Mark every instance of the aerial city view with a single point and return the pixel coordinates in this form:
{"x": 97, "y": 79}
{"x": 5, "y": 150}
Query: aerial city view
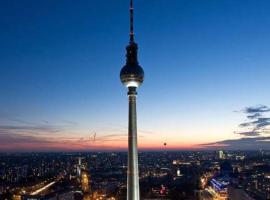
{"x": 135, "y": 99}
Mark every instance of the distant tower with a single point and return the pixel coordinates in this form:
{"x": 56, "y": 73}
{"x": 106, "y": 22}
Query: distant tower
{"x": 221, "y": 155}
{"x": 79, "y": 167}
{"x": 132, "y": 76}
{"x": 80, "y": 161}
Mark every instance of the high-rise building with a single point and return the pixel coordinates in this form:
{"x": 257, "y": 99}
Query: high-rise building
{"x": 178, "y": 172}
{"x": 132, "y": 76}
{"x": 221, "y": 155}
{"x": 79, "y": 167}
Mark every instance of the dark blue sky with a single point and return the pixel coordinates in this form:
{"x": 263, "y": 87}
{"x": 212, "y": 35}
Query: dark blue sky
{"x": 60, "y": 63}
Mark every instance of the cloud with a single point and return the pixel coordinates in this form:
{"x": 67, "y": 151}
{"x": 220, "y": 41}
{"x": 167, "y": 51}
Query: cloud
{"x": 246, "y": 124}
{"x": 19, "y": 134}
{"x": 253, "y": 131}
{"x": 261, "y": 122}
{"x": 257, "y": 109}
{"x": 109, "y": 138}
{"x": 254, "y": 116}
{"x": 256, "y": 123}
{"x": 14, "y": 138}
{"x": 70, "y": 122}
{"x": 246, "y": 143}
{"x": 249, "y": 133}
{"x": 44, "y": 136}
{"x": 36, "y": 128}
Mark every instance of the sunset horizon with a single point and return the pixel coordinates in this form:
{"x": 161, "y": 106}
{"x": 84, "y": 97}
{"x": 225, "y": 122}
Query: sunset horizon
{"x": 203, "y": 89}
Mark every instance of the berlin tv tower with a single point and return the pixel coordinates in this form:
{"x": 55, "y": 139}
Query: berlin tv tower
{"x": 132, "y": 76}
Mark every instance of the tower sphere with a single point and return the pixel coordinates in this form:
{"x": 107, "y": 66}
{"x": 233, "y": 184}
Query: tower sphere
{"x": 132, "y": 74}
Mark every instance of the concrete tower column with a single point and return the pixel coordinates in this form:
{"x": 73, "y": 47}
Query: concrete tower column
{"x": 133, "y": 190}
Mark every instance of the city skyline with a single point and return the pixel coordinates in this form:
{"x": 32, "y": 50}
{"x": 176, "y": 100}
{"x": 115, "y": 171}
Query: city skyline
{"x": 206, "y": 67}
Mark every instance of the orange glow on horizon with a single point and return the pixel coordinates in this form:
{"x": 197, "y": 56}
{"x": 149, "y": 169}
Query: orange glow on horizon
{"x": 117, "y": 146}
{"x": 113, "y": 142}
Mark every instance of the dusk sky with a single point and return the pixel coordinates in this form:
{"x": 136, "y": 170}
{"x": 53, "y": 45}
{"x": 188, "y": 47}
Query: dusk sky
{"x": 206, "y": 63}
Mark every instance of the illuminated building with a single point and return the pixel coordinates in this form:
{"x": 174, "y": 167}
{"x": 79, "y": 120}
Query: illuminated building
{"x": 221, "y": 155}
{"x": 79, "y": 167}
{"x": 178, "y": 172}
{"x": 16, "y": 197}
{"x": 132, "y": 76}
{"x": 220, "y": 187}
{"x": 85, "y": 182}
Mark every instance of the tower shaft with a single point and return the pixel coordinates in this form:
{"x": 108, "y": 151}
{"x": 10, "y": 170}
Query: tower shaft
{"x": 133, "y": 190}
{"x": 132, "y": 76}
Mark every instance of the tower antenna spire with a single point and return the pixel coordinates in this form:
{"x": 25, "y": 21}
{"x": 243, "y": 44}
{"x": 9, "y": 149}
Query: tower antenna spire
{"x": 131, "y": 33}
